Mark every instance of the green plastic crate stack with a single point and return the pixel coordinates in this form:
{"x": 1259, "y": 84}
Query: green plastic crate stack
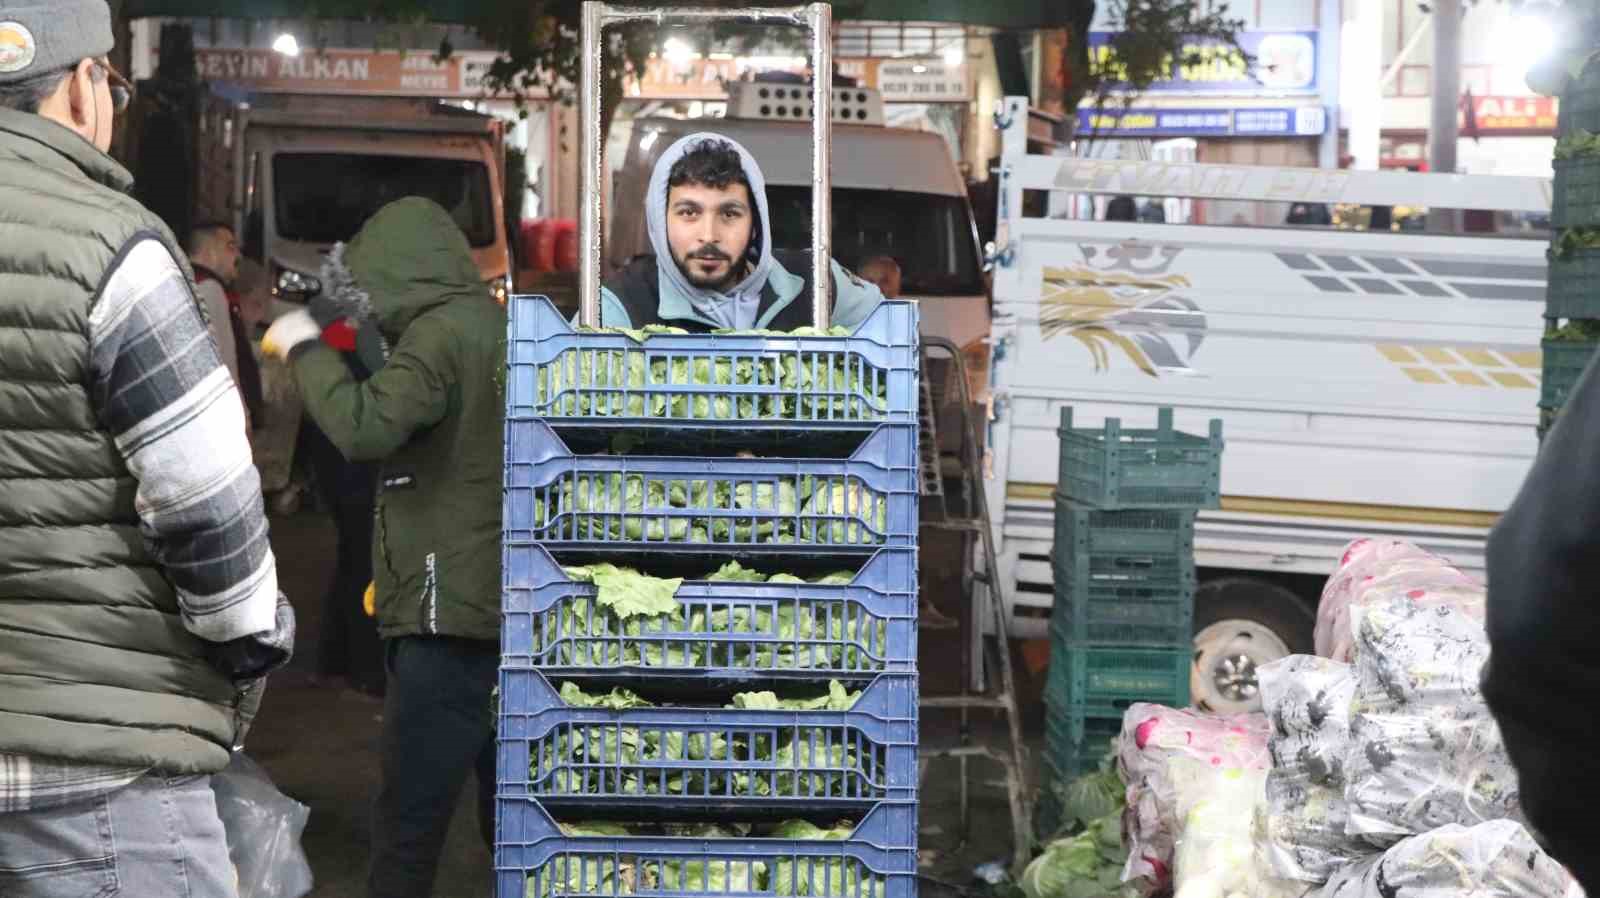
{"x": 1121, "y": 630}
{"x": 1572, "y": 298}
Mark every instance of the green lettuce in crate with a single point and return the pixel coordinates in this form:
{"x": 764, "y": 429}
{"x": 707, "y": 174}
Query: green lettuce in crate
{"x": 1580, "y": 144}
{"x": 584, "y": 874}
{"x": 833, "y": 877}
{"x": 1573, "y": 240}
{"x": 590, "y": 382}
{"x": 613, "y": 759}
{"x": 837, "y": 497}
{"x": 1576, "y": 331}
{"x": 632, "y": 614}
{"x": 615, "y": 506}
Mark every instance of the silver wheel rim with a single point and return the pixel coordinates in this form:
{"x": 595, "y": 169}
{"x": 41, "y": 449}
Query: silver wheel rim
{"x": 1227, "y": 655}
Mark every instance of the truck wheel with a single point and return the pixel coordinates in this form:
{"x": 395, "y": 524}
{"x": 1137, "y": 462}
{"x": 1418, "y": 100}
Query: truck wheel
{"x": 1240, "y": 625}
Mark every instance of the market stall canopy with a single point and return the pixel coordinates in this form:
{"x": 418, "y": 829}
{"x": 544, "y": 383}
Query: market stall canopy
{"x": 991, "y": 13}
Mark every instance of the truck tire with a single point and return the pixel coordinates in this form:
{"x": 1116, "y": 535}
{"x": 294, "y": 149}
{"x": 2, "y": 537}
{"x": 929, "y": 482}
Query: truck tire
{"x": 1240, "y": 624}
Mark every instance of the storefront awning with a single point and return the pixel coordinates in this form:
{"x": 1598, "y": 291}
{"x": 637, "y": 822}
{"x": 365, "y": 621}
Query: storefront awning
{"x": 991, "y": 13}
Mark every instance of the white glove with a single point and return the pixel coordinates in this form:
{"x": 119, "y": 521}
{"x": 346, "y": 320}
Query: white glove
{"x": 288, "y": 332}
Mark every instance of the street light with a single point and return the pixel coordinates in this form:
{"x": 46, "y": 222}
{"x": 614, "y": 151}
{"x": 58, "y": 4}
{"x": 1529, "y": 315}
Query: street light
{"x": 1530, "y": 37}
{"x": 287, "y": 45}
{"x": 954, "y": 55}
{"x": 677, "y": 52}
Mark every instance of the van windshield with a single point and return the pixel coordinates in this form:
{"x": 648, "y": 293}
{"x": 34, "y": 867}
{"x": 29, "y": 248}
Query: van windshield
{"x": 325, "y": 197}
{"x": 931, "y": 236}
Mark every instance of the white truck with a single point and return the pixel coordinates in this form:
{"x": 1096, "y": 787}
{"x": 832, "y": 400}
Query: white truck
{"x": 296, "y": 173}
{"x": 1369, "y": 384}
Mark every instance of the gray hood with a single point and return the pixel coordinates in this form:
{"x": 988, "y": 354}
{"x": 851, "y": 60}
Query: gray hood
{"x": 737, "y": 307}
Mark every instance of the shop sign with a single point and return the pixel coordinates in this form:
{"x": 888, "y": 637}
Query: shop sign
{"x": 1515, "y": 113}
{"x": 1285, "y": 62}
{"x": 411, "y": 73}
{"x": 1299, "y": 121}
{"x": 899, "y": 80}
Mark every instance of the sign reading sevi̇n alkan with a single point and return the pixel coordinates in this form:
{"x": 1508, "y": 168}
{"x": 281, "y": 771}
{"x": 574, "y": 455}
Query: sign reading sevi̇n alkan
{"x": 413, "y": 73}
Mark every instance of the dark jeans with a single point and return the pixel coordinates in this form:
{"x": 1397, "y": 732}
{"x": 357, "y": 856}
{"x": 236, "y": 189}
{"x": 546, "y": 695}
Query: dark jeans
{"x": 437, "y": 727}
{"x": 348, "y": 644}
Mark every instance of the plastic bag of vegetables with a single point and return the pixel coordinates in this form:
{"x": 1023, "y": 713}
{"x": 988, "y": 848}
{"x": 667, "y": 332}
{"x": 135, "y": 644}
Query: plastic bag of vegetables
{"x": 1153, "y": 736}
{"x": 1308, "y": 701}
{"x": 1498, "y": 859}
{"x": 1374, "y": 570}
{"x": 1215, "y": 853}
{"x": 1425, "y": 751}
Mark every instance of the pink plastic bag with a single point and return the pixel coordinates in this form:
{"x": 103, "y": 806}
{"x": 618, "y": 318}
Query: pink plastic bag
{"x": 1152, "y": 737}
{"x": 1374, "y": 570}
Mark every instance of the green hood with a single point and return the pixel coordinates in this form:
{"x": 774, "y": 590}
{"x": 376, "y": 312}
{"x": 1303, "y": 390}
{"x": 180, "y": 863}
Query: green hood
{"x": 408, "y": 258}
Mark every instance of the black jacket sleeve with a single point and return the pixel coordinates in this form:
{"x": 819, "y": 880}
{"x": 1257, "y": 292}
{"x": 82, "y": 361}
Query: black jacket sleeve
{"x": 1543, "y": 678}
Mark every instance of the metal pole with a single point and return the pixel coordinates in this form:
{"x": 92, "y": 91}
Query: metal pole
{"x": 818, "y": 17}
{"x": 1443, "y": 128}
{"x": 820, "y": 20}
{"x": 591, "y": 150}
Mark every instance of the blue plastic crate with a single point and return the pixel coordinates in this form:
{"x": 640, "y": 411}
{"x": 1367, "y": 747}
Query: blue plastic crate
{"x": 611, "y": 382}
{"x": 535, "y": 858}
{"x": 1114, "y": 468}
{"x": 683, "y": 763}
{"x": 724, "y": 633}
{"x": 622, "y": 505}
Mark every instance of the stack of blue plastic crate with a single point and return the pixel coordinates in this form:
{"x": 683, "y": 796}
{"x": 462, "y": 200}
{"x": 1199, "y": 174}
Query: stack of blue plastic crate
{"x": 1121, "y": 629}
{"x": 627, "y": 452}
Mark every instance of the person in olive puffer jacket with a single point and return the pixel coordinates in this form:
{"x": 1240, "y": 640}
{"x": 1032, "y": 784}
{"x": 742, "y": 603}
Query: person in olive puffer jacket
{"x": 139, "y": 608}
{"x": 432, "y": 415}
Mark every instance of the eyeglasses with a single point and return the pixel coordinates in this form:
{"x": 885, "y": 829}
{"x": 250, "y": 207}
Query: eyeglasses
{"x": 121, "y": 88}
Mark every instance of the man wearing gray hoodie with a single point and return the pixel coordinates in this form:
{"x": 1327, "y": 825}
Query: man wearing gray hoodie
{"x": 714, "y": 265}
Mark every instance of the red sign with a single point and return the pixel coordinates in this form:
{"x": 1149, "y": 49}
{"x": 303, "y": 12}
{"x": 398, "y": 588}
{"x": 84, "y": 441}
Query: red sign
{"x": 411, "y": 73}
{"x": 1515, "y": 114}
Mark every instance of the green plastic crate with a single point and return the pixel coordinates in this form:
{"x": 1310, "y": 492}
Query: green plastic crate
{"x": 1572, "y": 289}
{"x": 1575, "y": 201}
{"x": 1564, "y": 361}
{"x": 1123, "y": 578}
{"x": 1076, "y": 740}
{"x": 1580, "y": 104}
{"x": 1106, "y": 681}
{"x": 1113, "y": 468}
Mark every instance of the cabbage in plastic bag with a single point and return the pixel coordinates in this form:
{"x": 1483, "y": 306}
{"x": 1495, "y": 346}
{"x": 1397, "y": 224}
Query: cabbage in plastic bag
{"x": 1308, "y": 700}
{"x": 1425, "y": 750}
{"x": 1498, "y": 859}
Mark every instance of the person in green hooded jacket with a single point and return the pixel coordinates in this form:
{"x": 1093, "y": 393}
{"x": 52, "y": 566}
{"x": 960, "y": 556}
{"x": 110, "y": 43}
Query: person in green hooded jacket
{"x": 432, "y": 414}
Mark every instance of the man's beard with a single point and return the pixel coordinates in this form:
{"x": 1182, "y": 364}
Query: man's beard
{"x": 735, "y": 273}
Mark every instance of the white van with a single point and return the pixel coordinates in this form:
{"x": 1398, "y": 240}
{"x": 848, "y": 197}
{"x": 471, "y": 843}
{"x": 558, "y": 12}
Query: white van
{"x": 1370, "y": 384}
{"x": 896, "y": 192}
